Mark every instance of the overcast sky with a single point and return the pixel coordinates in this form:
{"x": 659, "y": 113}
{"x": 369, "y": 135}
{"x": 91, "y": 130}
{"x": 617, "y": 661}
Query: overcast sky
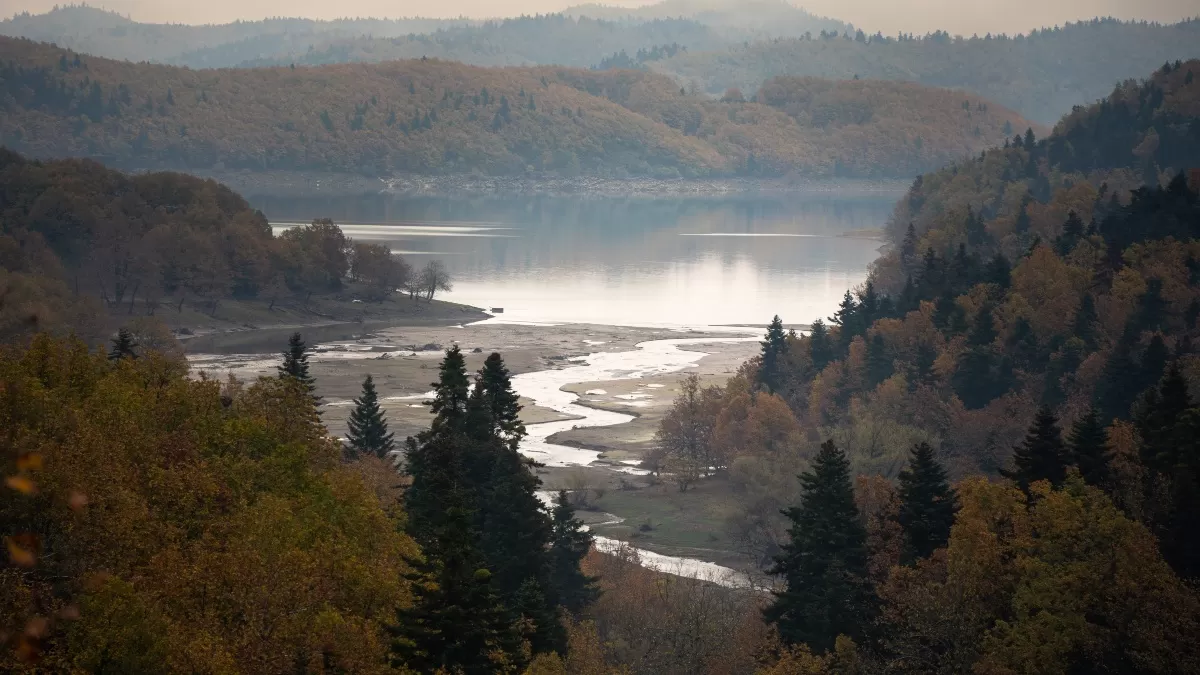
{"x": 890, "y": 16}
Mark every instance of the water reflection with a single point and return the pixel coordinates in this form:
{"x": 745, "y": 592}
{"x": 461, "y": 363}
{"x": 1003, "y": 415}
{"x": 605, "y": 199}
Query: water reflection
{"x": 624, "y": 260}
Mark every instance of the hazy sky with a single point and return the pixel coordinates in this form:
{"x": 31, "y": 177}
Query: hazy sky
{"x": 889, "y": 16}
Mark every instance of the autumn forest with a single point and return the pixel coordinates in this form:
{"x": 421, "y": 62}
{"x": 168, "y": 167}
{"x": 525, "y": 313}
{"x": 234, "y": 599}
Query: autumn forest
{"x": 982, "y": 459}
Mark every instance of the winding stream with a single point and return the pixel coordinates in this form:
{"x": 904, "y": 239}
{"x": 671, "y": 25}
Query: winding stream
{"x": 545, "y": 387}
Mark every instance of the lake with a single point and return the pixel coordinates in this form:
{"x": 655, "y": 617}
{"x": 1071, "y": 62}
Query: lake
{"x": 625, "y": 261}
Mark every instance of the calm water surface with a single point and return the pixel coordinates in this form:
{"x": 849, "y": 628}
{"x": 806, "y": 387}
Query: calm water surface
{"x": 624, "y": 261}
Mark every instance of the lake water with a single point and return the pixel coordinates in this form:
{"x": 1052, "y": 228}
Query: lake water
{"x": 625, "y": 261}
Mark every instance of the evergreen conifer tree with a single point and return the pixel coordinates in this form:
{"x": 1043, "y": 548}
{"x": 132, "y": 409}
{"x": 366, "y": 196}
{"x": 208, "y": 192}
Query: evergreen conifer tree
{"x": 847, "y": 319}
{"x": 1154, "y": 362}
{"x": 1042, "y": 455}
{"x": 1158, "y": 415}
{"x": 879, "y": 361}
{"x": 495, "y": 393}
{"x": 827, "y": 591}
{"x": 999, "y": 271}
{"x": 774, "y": 349}
{"x": 295, "y": 365}
{"x": 456, "y": 622}
{"x": 821, "y": 347}
{"x": 927, "y": 505}
{"x": 908, "y": 249}
{"x": 1087, "y": 447}
{"x": 976, "y": 229}
{"x": 451, "y": 392}
{"x": 123, "y": 346}
{"x": 1086, "y": 319}
{"x": 543, "y": 629}
{"x": 568, "y": 586}
{"x": 368, "y": 429}
{"x": 1118, "y": 384}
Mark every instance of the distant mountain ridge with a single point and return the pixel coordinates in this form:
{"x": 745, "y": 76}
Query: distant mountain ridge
{"x": 770, "y": 18}
{"x": 1043, "y": 74}
{"x": 437, "y": 117}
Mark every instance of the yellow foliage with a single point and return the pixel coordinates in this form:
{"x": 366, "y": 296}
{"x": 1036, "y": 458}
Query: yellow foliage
{"x": 200, "y": 537}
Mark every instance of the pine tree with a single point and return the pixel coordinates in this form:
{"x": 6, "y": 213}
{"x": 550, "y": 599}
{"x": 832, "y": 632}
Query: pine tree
{"x": 446, "y": 441}
{"x": 295, "y": 365}
{"x": 1042, "y": 456}
{"x": 494, "y": 395}
{"x": 847, "y": 319}
{"x": 123, "y": 346}
{"x": 368, "y": 434}
{"x": 543, "y": 629}
{"x": 879, "y": 361}
{"x": 827, "y": 592}
{"x": 868, "y": 307}
{"x": 456, "y": 622}
{"x": 820, "y": 346}
{"x": 1118, "y": 384}
{"x": 1154, "y": 362}
{"x": 1152, "y": 308}
{"x": 774, "y": 350}
{"x": 1086, "y": 320}
{"x": 451, "y": 391}
{"x": 1087, "y": 447}
{"x": 927, "y": 505}
{"x": 1023, "y": 222}
{"x": 1158, "y": 415}
{"x": 570, "y": 542}
{"x": 515, "y": 531}
{"x": 999, "y": 271}
{"x": 976, "y": 230}
{"x": 908, "y": 249}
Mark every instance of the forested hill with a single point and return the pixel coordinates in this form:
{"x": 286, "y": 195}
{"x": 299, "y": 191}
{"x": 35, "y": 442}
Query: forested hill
{"x": 542, "y": 40}
{"x": 95, "y": 31}
{"x": 433, "y": 116}
{"x": 771, "y": 18}
{"x": 1042, "y": 75}
{"x": 1046, "y": 273}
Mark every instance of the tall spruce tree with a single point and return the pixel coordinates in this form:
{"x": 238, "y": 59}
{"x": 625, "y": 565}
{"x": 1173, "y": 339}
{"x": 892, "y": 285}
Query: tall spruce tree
{"x": 774, "y": 351}
{"x": 1086, "y": 320}
{"x": 908, "y": 249}
{"x": 456, "y": 622}
{"x": 824, "y": 566}
{"x": 927, "y": 505}
{"x": 493, "y": 389}
{"x": 879, "y": 361}
{"x": 123, "y": 346}
{"x": 570, "y": 542}
{"x": 1119, "y": 383}
{"x": 425, "y": 454}
{"x": 1042, "y": 455}
{"x": 295, "y": 365}
{"x": 451, "y": 392}
{"x": 847, "y": 319}
{"x": 820, "y": 345}
{"x": 1087, "y": 447}
{"x": 368, "y": 429}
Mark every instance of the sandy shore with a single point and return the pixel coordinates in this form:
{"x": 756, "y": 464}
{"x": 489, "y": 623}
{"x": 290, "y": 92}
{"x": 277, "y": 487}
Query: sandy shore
{"x": 404, "y": 362}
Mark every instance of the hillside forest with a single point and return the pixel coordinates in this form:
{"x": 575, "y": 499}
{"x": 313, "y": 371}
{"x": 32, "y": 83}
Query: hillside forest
{"x": 718, "y": 47}
{"x": 1022, "y": 357}
{"x": 81, "y": 244}
{"x": 986, "y": 460}
{"x": 431, "y": 116}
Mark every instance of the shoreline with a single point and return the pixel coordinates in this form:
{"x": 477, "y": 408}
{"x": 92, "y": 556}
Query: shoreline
{"x": 302, "y": 184}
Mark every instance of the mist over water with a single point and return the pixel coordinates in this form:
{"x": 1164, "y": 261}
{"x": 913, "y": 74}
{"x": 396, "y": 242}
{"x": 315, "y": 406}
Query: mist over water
{"x": 625, "y": 261}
